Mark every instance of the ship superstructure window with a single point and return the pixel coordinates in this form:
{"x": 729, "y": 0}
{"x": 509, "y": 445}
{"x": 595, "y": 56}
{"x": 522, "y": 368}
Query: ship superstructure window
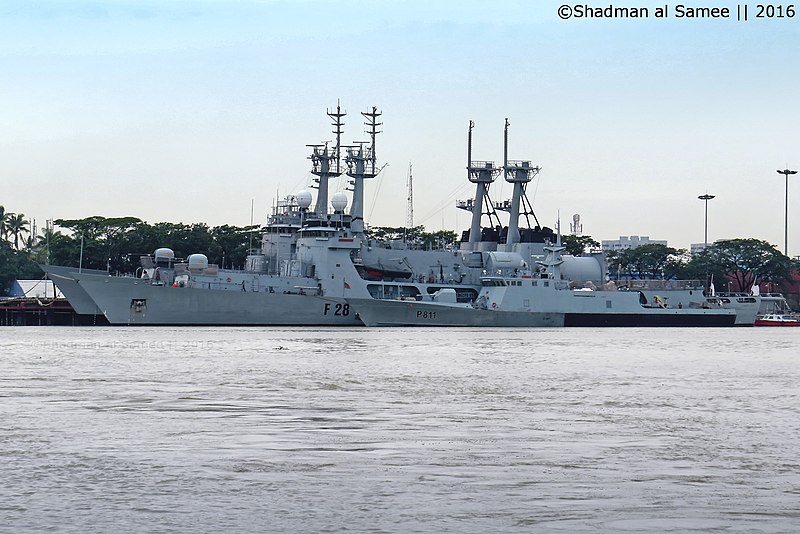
{"x": 389, "y": 291}
{"x": 463, "y": 294}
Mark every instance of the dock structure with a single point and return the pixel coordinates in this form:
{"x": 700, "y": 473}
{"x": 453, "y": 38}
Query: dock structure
{"x": 44, "y": 312}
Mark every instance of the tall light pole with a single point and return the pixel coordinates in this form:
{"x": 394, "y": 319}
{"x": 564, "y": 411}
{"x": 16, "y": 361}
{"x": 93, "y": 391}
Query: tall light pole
{"x": 706, "y": 198}
{"x": 786, "y": 173}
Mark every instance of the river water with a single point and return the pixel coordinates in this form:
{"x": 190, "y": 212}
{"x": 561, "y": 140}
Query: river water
{"x": 399, "y": 430}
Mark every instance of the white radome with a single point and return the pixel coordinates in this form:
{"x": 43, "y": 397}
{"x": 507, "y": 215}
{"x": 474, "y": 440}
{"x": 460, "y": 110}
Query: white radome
{"x": 339, "y": 202}
{"x": 304, "y": 198}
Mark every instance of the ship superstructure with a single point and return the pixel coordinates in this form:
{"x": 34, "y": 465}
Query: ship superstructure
{"x": 314, "y": 257}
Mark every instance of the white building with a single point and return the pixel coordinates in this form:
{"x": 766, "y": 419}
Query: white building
{"x": 697, "y": 248}
{"x": 624, "y": 242}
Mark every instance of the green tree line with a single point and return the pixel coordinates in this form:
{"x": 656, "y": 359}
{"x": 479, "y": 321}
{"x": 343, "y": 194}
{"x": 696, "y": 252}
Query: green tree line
{"x": 116, "y": 243}
{"x": 112, "y": 243}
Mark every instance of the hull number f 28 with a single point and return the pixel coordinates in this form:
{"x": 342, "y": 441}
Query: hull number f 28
{"x": 342, "y": 310}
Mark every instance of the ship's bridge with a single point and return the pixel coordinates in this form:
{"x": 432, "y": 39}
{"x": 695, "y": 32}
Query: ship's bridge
{"x": 318, "y": 231}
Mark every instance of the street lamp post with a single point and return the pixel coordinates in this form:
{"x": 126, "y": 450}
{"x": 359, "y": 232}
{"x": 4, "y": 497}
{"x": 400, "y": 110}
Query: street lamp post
{"x": 706, "y": 198}
{"x": 786, "y": 173}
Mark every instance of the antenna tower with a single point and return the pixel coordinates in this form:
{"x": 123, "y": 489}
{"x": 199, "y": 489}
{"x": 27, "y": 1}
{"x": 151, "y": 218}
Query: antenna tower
{"x": 361, "y": 165}
{"x": 410, "y": 208}
{"x": 326, "y": 163}
{"x": 372, "y": 129}
{"x": 337, "y": 124}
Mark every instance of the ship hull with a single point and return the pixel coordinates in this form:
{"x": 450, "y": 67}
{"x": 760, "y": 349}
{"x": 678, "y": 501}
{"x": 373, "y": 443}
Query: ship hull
{"x": 77, "y": 297}
{"x": 527, "y": 305}
{"x": 375, "y": 312}
{"x": 136, "y": 302}
{"x": 746, "y": 307}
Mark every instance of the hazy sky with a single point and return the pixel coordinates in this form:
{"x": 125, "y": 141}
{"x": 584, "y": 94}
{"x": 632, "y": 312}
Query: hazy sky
{"x": 188, "y": 111}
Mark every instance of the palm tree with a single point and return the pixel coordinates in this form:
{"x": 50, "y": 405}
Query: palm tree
{"x": 17, "y": 226}
{"x": 3, "y": 218}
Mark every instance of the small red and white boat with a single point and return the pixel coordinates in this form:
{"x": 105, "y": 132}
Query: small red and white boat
{"x": 777, "y": 319}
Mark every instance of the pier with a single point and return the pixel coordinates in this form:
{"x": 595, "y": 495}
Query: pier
{"x": 44, "y": 312}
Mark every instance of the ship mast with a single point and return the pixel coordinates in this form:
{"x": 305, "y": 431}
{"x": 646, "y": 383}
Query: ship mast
{"x": 518, "y": 173}
{"x": 361, "y": 165}
{"x": 325, "y": 162}
{"x": 482, "y": 174}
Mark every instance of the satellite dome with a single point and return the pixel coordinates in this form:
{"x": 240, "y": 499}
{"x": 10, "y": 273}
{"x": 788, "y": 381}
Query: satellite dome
{"x": 339, "y": 202}
{"x": 197, "y": 261}
{"x": 164, "y": 253}
{"x": 304, "y": 198}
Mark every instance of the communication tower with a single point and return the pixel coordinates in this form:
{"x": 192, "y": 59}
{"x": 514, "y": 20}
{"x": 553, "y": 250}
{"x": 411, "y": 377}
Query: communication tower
{"x": 575, "y": 227}
{"x": 410, "y": 199}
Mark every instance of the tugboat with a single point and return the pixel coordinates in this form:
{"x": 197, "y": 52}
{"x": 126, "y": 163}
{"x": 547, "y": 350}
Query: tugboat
{"x": 777, "y": 319}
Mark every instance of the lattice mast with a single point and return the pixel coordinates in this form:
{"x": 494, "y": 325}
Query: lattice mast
{"x": 361, "y": 165}
{"x": 325, "y": 162}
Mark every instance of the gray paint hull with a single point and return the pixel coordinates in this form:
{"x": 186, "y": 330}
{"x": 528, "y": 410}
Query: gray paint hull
{"x": 132, "y": 301}
{"x": 374, "y": 312}
{"x": 80, "y": 301}
{"x": 539, "y": 306}
{"x": 746, "y": 307}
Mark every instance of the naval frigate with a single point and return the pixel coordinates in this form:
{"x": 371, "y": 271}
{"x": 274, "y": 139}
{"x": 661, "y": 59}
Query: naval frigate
{"x": 315, "y": 267}
{"x": 310, "y": 260}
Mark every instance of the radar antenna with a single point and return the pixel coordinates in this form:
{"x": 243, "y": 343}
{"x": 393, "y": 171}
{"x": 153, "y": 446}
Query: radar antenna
{"x": 337, "y": 124}
{"x": 361, "y": 164}
{"x": 325, "y": 162}
{"x": 410, "y": 199}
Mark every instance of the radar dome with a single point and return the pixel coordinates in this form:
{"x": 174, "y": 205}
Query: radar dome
{"x": 164, "y": 253}
{"x": 339, "y": 202}
{"x": 304, "y": 198}
{"x": 197, "y": 261}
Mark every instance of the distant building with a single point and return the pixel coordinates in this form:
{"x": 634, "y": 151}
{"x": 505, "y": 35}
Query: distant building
{"x": 697, "y": 248}
{"x": 575, "y": 227}
{"x": 625, "y": 243}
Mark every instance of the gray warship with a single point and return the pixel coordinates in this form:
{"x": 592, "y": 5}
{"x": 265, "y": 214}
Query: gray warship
{"x": 310, "y": 260}
{"x": 317, "y": 266}
{"x": 511, "y": 296}
{"x": 527, "y": 279}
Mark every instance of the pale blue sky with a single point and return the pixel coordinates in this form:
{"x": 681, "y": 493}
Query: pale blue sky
{"x": 187, "y": 110}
